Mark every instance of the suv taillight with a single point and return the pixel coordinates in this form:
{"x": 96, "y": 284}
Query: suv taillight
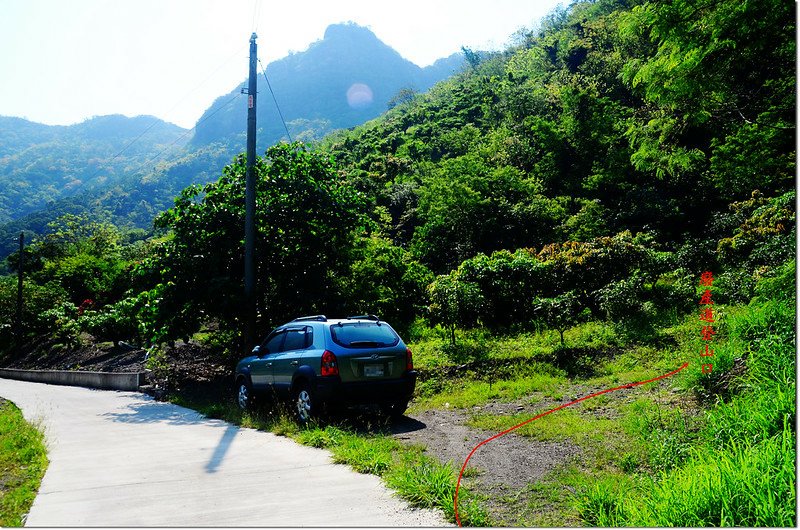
{"x": 409, "y": 359}
{"x": 329, "y": 364}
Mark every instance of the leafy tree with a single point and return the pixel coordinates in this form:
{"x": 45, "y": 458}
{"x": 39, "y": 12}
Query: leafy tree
{"x": 305, "y": 222}
{"x": 385, "y": 280}
{"x": 473, "y": 58}
{"x": 36, "y": 298}
{"x": 81, "y": 255}
{"x": 720, "y": 84}
{"x": 403, "y": 96}
{"x": 587, "y": 267}
{"x": 508, "y": 281}
{"x": 454, "y": 303}
{"x": 468, "y": 207}
{"x": 765, "y": 233}
{"x": 560, "y": 312}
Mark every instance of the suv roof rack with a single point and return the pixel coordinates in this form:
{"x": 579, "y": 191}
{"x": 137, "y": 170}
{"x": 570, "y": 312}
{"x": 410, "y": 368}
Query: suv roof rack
{"x": 318, "y": 318}
{"x": 364, "y": 317}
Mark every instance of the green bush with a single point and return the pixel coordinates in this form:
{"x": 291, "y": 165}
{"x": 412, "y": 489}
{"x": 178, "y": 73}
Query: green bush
{"x": 115, "y": 322}
{"x": 37, "y": 299}
{"x": 779, "y": 284}
{"x": 384, "y": 280}
{"x": 675, "y": 290}
{"x": 62, "y": 322}
{"x": 734, "y": 286}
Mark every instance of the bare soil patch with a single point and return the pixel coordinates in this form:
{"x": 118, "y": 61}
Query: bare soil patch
{"x": 49, "y": 354}
{"x": 510, "y": 460}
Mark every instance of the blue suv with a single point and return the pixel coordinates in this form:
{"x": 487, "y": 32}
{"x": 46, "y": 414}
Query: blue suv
{"x": 320, "y": 363}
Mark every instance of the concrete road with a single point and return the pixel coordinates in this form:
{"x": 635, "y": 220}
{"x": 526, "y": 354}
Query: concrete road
{"x": 123, "y": 459}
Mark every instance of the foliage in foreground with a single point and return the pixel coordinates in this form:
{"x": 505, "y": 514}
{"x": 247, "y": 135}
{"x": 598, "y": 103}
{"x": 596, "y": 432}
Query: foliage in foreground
{"x": 23, "y": 461}
{"x": 741, "y": 469}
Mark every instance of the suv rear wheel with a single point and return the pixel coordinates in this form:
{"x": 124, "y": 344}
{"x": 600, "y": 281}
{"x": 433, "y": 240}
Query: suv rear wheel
{"x": 395, "y": 409}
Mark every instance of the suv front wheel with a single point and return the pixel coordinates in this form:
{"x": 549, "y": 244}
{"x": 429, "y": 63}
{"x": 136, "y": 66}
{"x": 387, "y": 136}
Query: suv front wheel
{"x": 304, "y": 404}
{"x": 244, "y": 395}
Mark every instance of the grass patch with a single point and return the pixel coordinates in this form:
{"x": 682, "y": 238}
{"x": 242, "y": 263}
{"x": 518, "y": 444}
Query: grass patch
{"x": 23, "y": 461}
{"x": 426, "y": 483}
{"x": 472, "y": 393}
{"x": 743, "y": 486}
{"x": 736, "y": 465}
{"x": 584, "y": 429}
{"x": 432, "y": 350}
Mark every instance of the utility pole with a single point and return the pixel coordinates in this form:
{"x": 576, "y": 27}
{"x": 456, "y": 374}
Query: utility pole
{"x": 20, "y": 271}
{"x": 250, "y": 203}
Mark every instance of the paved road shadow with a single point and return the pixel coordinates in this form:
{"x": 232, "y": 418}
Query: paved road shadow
{"x": 222, "y": 448}
{"x": 156, "y": 412}
{"x": 144, "y": 412}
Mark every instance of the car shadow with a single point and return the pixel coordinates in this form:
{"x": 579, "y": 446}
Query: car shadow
{"x": 366, "y": 420}
{"x": 406, "y": 424}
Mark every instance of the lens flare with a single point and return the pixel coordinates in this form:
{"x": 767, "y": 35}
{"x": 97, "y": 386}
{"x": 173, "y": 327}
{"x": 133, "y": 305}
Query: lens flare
{"x": 359, "y": 96}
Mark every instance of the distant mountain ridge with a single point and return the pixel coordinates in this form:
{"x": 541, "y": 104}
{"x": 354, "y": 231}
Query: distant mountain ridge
{"x": 339, "y": 82}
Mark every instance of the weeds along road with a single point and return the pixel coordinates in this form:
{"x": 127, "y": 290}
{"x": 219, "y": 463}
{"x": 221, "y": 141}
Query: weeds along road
{"x": 123, "y": 459}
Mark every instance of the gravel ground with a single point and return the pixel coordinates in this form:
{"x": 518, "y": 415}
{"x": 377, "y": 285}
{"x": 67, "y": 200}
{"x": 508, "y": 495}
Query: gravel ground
{"x": 510, "y": 460}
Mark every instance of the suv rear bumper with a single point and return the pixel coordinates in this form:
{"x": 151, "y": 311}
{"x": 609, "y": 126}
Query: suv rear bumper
{"x": 333, "y": 391}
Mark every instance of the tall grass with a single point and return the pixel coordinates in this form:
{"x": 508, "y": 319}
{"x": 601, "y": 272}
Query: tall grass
{"x": 426, "y": 483}
{"x": 740, "y": 470}
{"x": 23, "y": 461}
{"x": 743, "y": 485}
{"x": 746, "y": 485}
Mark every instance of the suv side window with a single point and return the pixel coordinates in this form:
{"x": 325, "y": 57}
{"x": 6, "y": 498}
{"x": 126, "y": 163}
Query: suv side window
{"x": 273, "y": 343}
{"x": 296, "y": 339}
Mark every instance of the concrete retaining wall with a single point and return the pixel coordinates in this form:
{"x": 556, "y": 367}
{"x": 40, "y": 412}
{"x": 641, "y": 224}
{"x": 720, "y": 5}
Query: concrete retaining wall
{"x": 102, "y": 380}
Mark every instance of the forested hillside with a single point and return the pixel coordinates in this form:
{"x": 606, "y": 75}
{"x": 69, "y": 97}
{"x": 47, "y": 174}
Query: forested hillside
{"x": 582, "y": 181}
{"x": 40, "y": 163}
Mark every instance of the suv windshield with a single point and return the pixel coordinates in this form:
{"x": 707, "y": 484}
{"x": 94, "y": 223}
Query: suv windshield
{"x": 363, "y": 335}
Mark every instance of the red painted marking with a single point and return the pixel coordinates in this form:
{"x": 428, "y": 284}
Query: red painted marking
{"x": 629, "y": 385}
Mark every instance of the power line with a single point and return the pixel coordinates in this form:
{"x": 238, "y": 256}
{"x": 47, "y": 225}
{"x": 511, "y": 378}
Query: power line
{"x": 275, "y": 100}
{"x": 233, "y": 54}
{"x": 256, "y": 14}
{"x": 181, "y": 100}
{"x": 157, "y": 120}
{"x": 224, "y": 105}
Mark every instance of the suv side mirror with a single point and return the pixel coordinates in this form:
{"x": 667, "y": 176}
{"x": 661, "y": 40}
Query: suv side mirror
{"x": 257, "y": 350}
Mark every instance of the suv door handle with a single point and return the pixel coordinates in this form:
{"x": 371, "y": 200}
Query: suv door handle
{"x": 269, "y": 364}
{"x": 295, "y": 363}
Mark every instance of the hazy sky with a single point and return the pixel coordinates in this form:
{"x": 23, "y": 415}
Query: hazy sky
{"x": 63, "y": 61}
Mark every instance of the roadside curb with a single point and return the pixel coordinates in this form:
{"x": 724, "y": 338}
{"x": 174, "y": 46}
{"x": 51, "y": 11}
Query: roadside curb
{"x": 102, "y": 380}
